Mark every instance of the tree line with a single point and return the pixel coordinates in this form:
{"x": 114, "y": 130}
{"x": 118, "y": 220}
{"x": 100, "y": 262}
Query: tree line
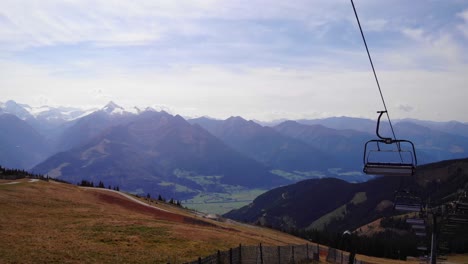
{"x": 386, "y": 244}
{"x": 15, "y": 174}
{"x": 86, "y": 183}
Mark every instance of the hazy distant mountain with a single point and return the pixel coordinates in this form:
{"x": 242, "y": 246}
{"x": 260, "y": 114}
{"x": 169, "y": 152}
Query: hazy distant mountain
{"x": 266, "y": 145}
{"x": 433, "y": 145}
{"x": 293, "y": 150}
{"x": 90, "y": 126}
{"x": 20, "y": 145}
{"x": 343, "y": 122}
{"x": 336, "y": 205}
{"x": 159, "y": 153}
{"x": 19, "y": 110}
{"x": 451, "y": 127}
{"x": 48, "y": 121}
{"x": 345, "y": 145}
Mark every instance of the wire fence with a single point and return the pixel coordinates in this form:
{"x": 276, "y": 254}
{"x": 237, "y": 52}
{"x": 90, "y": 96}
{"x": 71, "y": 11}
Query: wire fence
{"x": 260, "y": 254}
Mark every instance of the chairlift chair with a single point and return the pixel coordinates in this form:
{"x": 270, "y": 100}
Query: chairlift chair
{"x": 406, "y": 167}
{"x": 407, "y": 202}
{"x": 418, "y": 227}
{"x": 420, "y": 234}
{"x": 422, "y": 248}
{"x": 415, "y": 221}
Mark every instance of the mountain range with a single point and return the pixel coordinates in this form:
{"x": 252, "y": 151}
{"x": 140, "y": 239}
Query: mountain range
{"x": 149, "y": 151}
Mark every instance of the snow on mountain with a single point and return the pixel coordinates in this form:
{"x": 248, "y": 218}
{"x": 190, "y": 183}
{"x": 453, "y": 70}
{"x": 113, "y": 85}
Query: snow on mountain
{"x": 65, "y": 114}
{"x": 114, "y": 109}
{"x": 11, "y": 107}
{"x": 47, "y": 113}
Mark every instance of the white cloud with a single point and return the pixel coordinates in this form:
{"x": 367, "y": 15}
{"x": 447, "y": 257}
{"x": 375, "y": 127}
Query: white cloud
{"x": 416, "y": 34}
{"x": 376, "y": 25}
{"x": 464, "y": 26}
{"x": 107, "y": 23}
{"x": 433, "y": 49}
{"x": 405, "y": 108}
{"x": 255, "y": 93}
{"x": 260, "y": 59}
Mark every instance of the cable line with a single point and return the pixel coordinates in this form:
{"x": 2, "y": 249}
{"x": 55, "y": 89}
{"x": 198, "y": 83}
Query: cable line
{"x": 375, "y": 74}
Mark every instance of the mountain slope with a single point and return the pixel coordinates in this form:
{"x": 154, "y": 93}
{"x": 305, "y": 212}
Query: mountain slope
{"x": 451, "y": 127}
{"x": 92, "y": 125}
{"x": 45, "y": 120}
{"x": 343, "y": 123}
{"x": 266, "y": 145}
{"x": 348, "y": 205}
{"x": 76, "y": 225}
{"x": 345, "y": 145}
{"x": 434, "y": 145}
{"x": 20, "y": 145}
{"x": 159, "y": 153}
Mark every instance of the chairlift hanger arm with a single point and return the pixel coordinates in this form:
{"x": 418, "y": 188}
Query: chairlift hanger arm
{"x": 385, "y": 140}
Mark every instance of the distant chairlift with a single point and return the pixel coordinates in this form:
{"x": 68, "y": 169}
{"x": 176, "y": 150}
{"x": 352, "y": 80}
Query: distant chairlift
{"x": 407, "y": 202}
{"x": 387, "y": 161}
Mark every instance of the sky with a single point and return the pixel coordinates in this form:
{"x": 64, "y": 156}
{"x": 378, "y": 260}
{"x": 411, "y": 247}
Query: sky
{"x": 259, "y": 59}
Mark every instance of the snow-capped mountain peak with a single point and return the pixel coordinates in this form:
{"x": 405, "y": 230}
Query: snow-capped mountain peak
{"x": 16, "y": 109}
{"x": 113, "y": 108}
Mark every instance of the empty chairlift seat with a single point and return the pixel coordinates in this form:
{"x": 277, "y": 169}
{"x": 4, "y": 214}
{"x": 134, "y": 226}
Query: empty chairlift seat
{"x": 407, "y": 202}
{"x": 388, "y": 156}
{"x": 389, "y": 169}
{"x": 415, "y": 221}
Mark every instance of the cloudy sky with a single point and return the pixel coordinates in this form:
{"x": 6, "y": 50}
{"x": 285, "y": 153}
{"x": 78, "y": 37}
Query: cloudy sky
{"x": 255, "y": 58}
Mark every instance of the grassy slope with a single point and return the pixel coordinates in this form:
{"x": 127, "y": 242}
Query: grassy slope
{"x": 51, "y": 222}
{"x": 338, "y": 213}
{"x": 56, "y": 223}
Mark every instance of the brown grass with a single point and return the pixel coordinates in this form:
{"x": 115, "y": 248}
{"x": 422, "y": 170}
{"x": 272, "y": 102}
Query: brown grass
{"x": 50, "y": 222}
{"x": 56, "y": 223}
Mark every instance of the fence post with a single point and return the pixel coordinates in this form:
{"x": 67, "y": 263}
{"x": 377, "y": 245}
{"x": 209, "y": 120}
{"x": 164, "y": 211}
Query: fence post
{"x": 240, "y": 253}
{"x": 199, "y": 260}
{"x": 218, "y": 257}
{"x": 341, "y": 257}
{"x": 279, "y": 255}
{"x": 261, "y": 254}
{"x": 292, "y": 254}
{"x": 230, "y": 256}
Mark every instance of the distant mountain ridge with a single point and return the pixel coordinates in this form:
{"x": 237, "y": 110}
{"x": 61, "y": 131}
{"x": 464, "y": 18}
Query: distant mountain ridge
{"x": 266, "y": 145}
{"x": 20, "y": 145}
{"x": 70, "y": 140}
{"x": 158, "y": 152}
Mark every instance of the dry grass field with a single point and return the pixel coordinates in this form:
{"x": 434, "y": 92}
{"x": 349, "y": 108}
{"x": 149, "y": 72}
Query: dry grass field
{"x": 50, "y": 222}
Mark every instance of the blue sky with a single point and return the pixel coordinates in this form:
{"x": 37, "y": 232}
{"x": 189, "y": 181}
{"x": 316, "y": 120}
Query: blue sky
{"x": 259, "y": 59}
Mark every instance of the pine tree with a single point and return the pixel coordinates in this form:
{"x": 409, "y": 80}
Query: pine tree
{"x": 101, "y": 185}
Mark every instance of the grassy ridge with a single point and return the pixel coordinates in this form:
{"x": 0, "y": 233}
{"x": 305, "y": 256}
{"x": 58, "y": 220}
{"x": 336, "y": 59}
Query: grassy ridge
{"x": 49, "y": 222}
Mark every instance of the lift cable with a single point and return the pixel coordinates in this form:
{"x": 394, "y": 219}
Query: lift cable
{"x": 375, "y": 74}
